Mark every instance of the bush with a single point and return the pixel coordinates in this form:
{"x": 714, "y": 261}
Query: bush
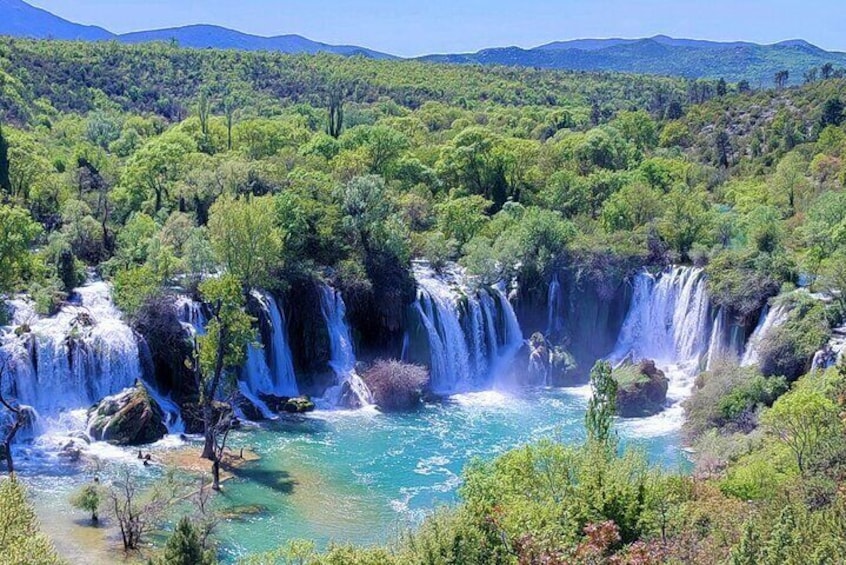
{"x": 396, "y": 385}
{"x": 789, "y": 349}
{"x": 728, "y": 398}
{"x": 744, "y": 280}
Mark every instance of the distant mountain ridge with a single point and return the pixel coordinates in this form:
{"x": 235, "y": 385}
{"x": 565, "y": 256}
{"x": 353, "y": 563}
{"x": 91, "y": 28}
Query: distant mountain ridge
{"x": 19, "y": 19}
{"x": 662, "y": 55}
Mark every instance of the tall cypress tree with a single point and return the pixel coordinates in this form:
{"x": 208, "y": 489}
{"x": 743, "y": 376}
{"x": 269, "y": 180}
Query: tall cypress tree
{"x": 5, "y": 180}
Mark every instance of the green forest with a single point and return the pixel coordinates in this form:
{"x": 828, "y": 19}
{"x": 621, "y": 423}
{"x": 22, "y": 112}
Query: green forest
{"x": 155, "y": 167}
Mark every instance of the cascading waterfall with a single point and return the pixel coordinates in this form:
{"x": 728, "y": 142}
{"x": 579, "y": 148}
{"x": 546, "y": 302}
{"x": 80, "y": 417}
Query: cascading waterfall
{"x": 771, "y": 318}
{"x": 63, "y": 364}
{"x": 349, "y": 390}
{"x": 473, "y": 334}
{"x": 670, "y": 321}
{"x": 270, "y": 370}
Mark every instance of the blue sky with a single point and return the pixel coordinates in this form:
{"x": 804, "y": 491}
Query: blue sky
{"x": 438, "y": 26}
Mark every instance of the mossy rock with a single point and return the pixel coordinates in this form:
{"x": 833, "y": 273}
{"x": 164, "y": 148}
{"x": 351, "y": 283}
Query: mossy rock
{"x": 128, "y": 418}
{"x": 299, "y": 405}
{"x": 642, "y": 390}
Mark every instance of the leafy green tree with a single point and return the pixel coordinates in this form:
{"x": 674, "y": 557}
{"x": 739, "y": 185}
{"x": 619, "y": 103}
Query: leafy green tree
{"x": 89, "y": 498}
{"x": 832, "y": 114}
{"x": 17, "y": 234}
{"x": 471, "y": 162}
{"x": 639, "y": 128}
{"x": 382, "y": 145}
{"x": 462, "y": 218}
{"x": 152, "y": 172}
{"x": 221, "y": 350}
{"x": 246, "y": 239}
{"x": 183, "y": 547}
{"x": 805, "y": 421}
{"x": 599, "y": 419}
{"x": 687, "y": 219}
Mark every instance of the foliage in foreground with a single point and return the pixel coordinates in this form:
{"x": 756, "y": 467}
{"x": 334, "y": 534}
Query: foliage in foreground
{"x": 21, "y": 540}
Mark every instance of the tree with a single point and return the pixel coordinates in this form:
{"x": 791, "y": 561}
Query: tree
{"x": 21, "y": 540}
{"x": 139, "y": 513}
{"x": 722, "y": 87}
{"x": 153, "y": 171}
{"x": 723, "y": 149}
{"x": 805, "y": 421}
{"x": 89, "y": 498}
{"x": 336, "y": 110}
{"x": 5, "y": 181}
{"x": 220, "y": 352}
{"x": 599, "y": 420}
{"x": 17, "y": 233}
{"x": 16, "y": 418}
{"x": 462, "y": 218}
{"x": 827, "y": 71}
{"x": 183, "y": 547}
{"x": 781, "y": 78}
{"x": 245, "y": 238}
{"x": 832, "y": 114}
{"x": 230, "y": 106}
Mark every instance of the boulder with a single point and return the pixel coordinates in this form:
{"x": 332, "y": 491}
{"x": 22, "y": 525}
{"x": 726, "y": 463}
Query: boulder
{"x": 642, "y": 390}
{"x": 131, "y": 417}
{"x": 298, "y": 405}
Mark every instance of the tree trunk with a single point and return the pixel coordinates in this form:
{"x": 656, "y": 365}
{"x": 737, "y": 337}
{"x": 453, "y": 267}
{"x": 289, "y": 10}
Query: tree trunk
{"x": 216, "y": 474}
{"x": 209, "y": 432}
{"x": 10, "y": 464}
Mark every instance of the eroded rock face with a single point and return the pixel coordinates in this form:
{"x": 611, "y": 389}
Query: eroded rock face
{"x": 131, "y": 417}
{"x": 645, "y": 395}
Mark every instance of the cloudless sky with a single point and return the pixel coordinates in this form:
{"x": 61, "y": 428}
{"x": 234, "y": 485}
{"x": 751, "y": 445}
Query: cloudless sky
{"x": 449, "y": 26}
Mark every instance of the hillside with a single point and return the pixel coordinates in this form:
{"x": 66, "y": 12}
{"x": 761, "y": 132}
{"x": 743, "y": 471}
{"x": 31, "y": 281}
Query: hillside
{"x": 664, "y": 56}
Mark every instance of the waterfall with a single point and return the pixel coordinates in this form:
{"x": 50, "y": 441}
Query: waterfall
{"x": 69, "y": 361}
{"x": 473, "y": 333}
{"x": 555, "y": 302}
{"x": 771, "y": 318}
{"x": 349, "y": 390}
{"x": 669, "y": 319}
{"x": 270, "y": 369}
{"x": 190, "y": 313}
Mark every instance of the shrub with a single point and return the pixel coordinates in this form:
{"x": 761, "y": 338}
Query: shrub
{"x": 788, "y": 349}
{"x": 744, "y": 280}
{"x": 396, "y": 385}
{"x": 728, "y": 397}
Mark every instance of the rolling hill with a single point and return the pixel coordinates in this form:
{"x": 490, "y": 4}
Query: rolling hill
{"x": 659, "y": 55}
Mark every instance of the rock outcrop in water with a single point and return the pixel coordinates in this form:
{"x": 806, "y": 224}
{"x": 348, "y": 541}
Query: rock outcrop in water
{"x": 642, "y": 389}
{"x": 131, "y": 417}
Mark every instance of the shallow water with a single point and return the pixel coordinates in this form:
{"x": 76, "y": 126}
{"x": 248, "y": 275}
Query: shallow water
{"x": 361, "y": 476}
